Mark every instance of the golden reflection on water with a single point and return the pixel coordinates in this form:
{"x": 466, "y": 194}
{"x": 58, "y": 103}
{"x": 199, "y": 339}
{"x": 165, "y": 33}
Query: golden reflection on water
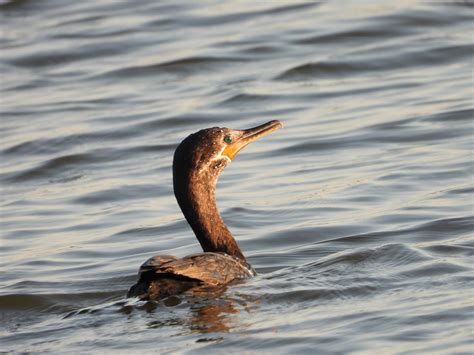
{"x": 213, "y": 318}
{"x": 209, "y": 310}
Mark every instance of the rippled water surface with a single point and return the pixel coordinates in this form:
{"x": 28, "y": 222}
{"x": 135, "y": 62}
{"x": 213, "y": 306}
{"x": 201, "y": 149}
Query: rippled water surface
{"x": 357, "y": 215}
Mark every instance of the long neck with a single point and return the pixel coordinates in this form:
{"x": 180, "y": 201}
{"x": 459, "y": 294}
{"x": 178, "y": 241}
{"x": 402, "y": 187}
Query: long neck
{"x": 196, "y": 197}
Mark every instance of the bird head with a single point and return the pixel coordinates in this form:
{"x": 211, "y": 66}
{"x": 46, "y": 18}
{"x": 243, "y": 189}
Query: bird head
{"x": 210, "y": 150}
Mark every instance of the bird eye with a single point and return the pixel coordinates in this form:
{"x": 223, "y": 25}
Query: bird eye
{"x": 228, "y": 139}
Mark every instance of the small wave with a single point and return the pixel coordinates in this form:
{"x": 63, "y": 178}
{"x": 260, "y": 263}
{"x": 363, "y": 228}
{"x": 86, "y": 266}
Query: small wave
{"x": 190, "y": 65}
{"x": 121, "y": 193}
{"x": 401, "y": 131}
{"x": 39, "y": 60}
{"x": 242, "y": 16}
{"x": 450, "y": 116}
{"x": 358, "y": 273}
{"x": 240, "y": 99}
{"x": 309, "y": 71}
{"x": 460, "y": 191}
{"x": 389, "y": 255}
{"x": 49, "y": 302}
{"x": 322, "y": 145}
{"x": 431, "y": 231}
{"x": 113, "y": 34}
{"x": 144, "y": 232}
{"x": 264, "y": 50}
{"x": 354, "y": 35}
{"x": 67, "y": 167}
{"x": 65, "y": 143}
{"x": 51, "y": 168}
{"x": 334, "y": 69}
{"x": 178, "y": 121}
{"x": 459, "y": 250}
{"x": 432, "y": 270}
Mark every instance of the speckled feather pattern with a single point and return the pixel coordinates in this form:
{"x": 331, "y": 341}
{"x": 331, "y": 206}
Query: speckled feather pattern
{"x": 165, "y": 275}
{"x": 208, "y": 268}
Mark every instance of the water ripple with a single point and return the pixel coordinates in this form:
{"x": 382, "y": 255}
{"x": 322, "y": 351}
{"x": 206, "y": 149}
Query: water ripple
{"x": 357, "y": 215}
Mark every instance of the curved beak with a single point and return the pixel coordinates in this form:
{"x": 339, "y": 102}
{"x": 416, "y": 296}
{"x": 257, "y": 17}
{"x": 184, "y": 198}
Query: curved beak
{"x": 248, "y": 136}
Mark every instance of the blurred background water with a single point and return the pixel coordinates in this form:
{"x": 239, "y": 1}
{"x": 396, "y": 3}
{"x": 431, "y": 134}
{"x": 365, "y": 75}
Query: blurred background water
{"x": 357, "y": 215}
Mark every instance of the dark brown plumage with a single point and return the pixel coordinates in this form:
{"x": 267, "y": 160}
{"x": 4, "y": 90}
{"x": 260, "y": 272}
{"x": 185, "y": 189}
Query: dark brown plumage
{"x": 198, "y": 162}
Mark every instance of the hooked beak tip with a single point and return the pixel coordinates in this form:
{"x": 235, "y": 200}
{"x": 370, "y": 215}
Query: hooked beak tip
{"x": 250, "y": 135}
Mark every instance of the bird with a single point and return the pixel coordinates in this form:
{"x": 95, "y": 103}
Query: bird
{"x": 197, "y": 163}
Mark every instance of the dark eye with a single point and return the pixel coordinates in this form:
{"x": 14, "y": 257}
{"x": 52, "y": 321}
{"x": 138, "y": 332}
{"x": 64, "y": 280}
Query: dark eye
{"x": 228, "y": 139}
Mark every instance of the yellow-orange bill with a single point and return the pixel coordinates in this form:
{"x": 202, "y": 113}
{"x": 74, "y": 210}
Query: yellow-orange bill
{"x": 248, "y": 136}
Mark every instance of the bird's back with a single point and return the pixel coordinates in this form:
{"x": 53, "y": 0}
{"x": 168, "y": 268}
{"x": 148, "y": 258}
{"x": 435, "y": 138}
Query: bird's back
{"x": 163, "y": 276}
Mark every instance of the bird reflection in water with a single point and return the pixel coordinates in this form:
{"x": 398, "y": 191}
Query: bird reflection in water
{"x": 209, "y": 312}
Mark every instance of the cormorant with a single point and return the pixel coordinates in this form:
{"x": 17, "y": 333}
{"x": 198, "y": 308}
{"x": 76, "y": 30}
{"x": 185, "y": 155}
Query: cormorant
{"x": 198, "y": 162}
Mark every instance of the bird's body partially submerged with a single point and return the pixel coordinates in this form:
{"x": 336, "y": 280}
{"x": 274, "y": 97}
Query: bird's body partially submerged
{"x": 198, "y": 161}
{"x": 165, "y": 275}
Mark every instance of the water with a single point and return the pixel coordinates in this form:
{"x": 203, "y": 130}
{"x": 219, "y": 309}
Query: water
{"x": 357, "y": 215}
